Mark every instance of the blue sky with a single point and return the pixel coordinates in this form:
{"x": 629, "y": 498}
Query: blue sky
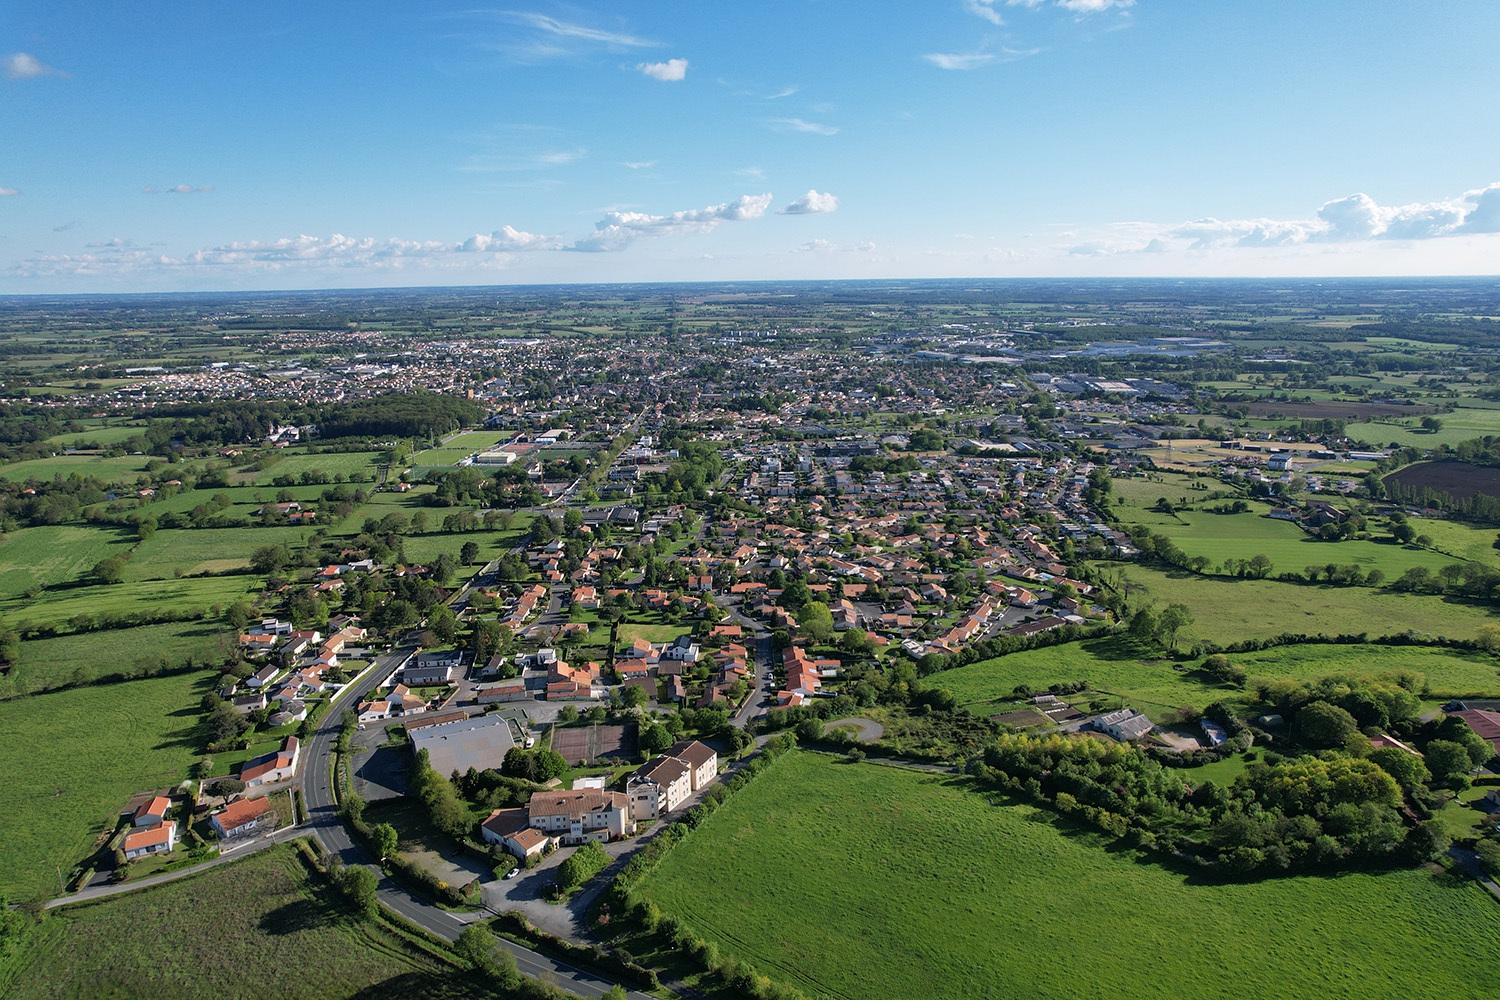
{"x": 269, "y": 145}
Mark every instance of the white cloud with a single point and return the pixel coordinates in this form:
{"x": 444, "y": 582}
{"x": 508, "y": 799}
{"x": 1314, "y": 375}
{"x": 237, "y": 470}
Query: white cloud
{"x": 672, "y": 69}
{"x": 984, "y": 9}
{"x": 1352, "y": 219}
{"x": 23, "y": 66}
{"x": 959, "y": 60}
{"x": 617, "y": 230}
{"x": 509, "y": 240}
{"x": 798, "y": 125}
{"x": 6, "y": 192}
{"x": 638, "y": 164}
{"x": 189, "y": 189}
{"x": 812, "y": 203}
{"x": 783, "y": 92}
{"x": 1093, "y": 6}
{"x": 825, "y": 247}
{"x": 562, "y": 29}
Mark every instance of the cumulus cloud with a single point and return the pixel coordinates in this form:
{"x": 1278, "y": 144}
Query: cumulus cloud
{"x": 1076, "y": 6}
{"x": 1484, "y": 217}
{"x": 812, "y": 203}
{"x": 24, "y": 66}
{"x": 672, "y": 69}
{"x": 984, "y": 9}
{"x": 959, "y": 60}
{"x": 6, "y": 192}
{"x": 798, "y": 125}
{"x": 617, "y": 230}
{"x": 508, "y": 239}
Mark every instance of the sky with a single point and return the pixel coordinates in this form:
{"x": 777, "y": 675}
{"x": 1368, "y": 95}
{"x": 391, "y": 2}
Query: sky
{"x": 207, "y": 145}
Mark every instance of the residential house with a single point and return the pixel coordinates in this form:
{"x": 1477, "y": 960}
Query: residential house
{"x": 269, "y": 768}
{"x": 242, "y": 817}
{"x": 512, "y": 830}
{"x": 155, "y": 839}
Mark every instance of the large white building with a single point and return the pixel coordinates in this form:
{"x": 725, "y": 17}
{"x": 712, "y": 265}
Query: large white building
{"x": 582, "y": 815}
{"x": 666, "y": 782}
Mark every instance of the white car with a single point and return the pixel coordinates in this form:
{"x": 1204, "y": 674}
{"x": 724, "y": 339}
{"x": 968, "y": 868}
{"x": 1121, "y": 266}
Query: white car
{"x": 511, "y": 874}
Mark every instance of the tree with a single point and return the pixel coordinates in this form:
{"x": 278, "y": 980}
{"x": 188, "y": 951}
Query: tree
{"x": 815, "y": 622}
{"x": 385, "y": 837}
{"x": 1447, "y": 760}
{"x": 1327, "y": 726}
{"x": 111, "y": 570}
{"x": 468, "y": 552}
{"x": 1174, "y": 618}
{"x": 225, "y": 724}
{"x": 443, "y": 568}
{"x": 1143, "y": 626}
{"x": 271, "y": 558}
{"x": 655, "y": 738}
{"x": 360, "y": 886}
{"x": 476, "y": 949}
{"x": 1407, "y": 769}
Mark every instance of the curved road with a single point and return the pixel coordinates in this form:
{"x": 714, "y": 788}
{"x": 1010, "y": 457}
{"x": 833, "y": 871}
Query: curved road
{"x": 324, "y": 823}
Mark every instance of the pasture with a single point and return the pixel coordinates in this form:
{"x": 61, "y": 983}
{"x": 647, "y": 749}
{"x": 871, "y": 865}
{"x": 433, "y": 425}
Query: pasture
{"x": 52, "y": 554}
{"x": 1227, "y": 610}
{"x": 909, "y": 885}
{"x": 109, "y": 470}
{"x": 1116, "y": 666}
{"x": 362, "y": 463}
{"x": 68, "y": 659}
{"x": 205, "y": 550}
{"x": 72, "y": 758}
{"x": 262, "y": 927}
{"x": 60, "y": 604}
{"x": 1219, "y": 537}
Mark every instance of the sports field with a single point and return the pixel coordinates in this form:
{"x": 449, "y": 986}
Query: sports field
{"x": 855, "y": 881}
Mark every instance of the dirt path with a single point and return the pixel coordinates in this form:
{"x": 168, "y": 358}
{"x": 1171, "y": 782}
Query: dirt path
{"x": 866, "y": 730}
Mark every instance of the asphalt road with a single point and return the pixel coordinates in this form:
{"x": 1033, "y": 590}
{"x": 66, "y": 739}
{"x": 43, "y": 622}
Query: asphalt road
{"x": 324, "y": 823}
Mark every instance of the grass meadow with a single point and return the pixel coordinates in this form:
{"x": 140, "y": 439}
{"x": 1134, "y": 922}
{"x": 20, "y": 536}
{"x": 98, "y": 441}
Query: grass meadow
{"x": 72, "y": 758}
{"x": 205, "y": 550}
{"x": 109, "y": 470}
{"x": 332, "y": 462}
{"x": 1219, "y": 537}
{"x": 852, "y": 881}
{"x": 50, "y": 663}
{"x": 262, "y": 928}
{"x": 1227, "y": 610}
{"x": 1115, "y": 666}
{"x": 60, "y": 604}
{"x": 52, "y": 554}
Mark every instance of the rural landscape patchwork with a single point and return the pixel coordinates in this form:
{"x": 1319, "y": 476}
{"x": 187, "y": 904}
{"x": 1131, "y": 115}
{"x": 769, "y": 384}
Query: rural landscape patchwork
{"x": 770, "y": 640}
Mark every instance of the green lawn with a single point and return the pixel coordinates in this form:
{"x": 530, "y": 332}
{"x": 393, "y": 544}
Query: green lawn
{"x": 72, "y": 758}
{"x": 1462, "y": 424}
{"x": 49, "y": 663}
{"x": 63, "y": 553}
{"x": 103, "y": 436}
{"x": 853, "y": 881}
{"x": 1448, "y": 673}
{"x": 1459, "y": 542}
{"x": 1228, "y": 610}
{"x": 652, "y": 633}
{"x": 263, "y": 927}
{"x": 60, "y": 604}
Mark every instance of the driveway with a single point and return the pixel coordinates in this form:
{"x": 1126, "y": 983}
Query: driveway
{"x": 865, "y": 730}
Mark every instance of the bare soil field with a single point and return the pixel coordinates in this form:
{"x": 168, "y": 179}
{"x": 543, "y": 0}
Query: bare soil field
{"x": 1459, "y": 480}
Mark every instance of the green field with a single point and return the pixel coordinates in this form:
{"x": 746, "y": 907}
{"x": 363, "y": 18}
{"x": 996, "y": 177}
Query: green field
{"x": 205, "y": 550}
{"x": 652, "y": 633}
{"x": 294, "y": 463}
{"x": 1242, "y": 536}
{"x": 1462, "y": 424}
{"x": 1154, "y": 686}
{"x": 264, "y": 927}
{"x": 1458, "y": 541}
{"x": 60, "y": 604}
{"x": 109, "y": 470}
{"x": 49, "y": 663}
{"x": 102, "y": 436}
{"x": 854, "y": 881}
{"x": 461, "y": 446}
{"x": 1227, "y": 610}
{"x": 72, "y": 758}
{"x": 40, "y": 557}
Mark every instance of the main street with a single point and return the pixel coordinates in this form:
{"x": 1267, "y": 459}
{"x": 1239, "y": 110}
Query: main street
{"x": 324, "y": 823}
